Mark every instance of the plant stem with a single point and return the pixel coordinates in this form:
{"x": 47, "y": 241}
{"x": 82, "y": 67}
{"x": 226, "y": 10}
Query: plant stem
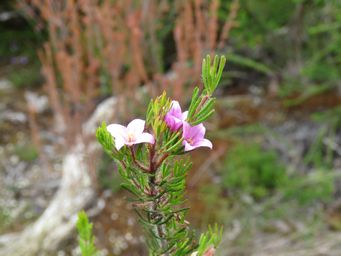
{"x": 156, "y": 214}
{"x": 151, "y": 159}
{"x": 145, "y": 169}
{"x": 163, "y": 158}
{"x": 155, "y": 192}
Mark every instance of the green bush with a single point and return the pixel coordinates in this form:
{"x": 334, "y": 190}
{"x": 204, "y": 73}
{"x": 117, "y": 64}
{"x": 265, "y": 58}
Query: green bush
{"x": 316, "y": 186}
{"x": 26, "y": 152}
{"x": 250, "y": 169}
{"x": 18, "y": 57}
{"x": 298, "y": 40}
{"x": 26, "y": 76}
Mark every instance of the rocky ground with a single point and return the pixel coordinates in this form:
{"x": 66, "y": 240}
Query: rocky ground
{"x": 27, "y": 184}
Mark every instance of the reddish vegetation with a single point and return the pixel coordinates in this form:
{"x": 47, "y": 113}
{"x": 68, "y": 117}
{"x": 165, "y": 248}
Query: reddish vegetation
{"x": 114, "y": 46}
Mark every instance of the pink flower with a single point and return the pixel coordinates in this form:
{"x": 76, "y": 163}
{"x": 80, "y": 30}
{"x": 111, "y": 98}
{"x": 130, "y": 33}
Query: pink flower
{"x": 175, "y": 117}
{"x": 130, "y": 135}
{"x": 194, "y": 137}
{"x": 210, "y": 252}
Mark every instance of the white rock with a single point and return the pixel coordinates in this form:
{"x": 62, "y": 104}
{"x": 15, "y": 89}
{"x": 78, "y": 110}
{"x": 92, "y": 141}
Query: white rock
{"x": 39, "y": 102}
{"x": 5, "y": 85}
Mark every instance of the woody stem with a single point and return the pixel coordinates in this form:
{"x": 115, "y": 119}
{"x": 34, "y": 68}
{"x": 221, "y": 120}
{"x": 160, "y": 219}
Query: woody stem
{"x": 156, "y": 213}
{"x": 159, "y": 229}
{"x": 141, "y": 166}
{"x": 163, "y": 158}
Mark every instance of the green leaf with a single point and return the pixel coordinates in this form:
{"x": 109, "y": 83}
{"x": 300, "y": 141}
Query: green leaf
{"x": 203, "y": 118}
{"x": 85, "y": 237}
{"x": 250, "y": 63}
{"x": 211, "y": 75}
{"x": 105, "y": 139}
{"x": 210, "y": 239}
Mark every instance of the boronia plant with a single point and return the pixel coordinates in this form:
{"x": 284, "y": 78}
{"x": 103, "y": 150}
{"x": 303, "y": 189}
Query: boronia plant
{"x": 151, "y": 158}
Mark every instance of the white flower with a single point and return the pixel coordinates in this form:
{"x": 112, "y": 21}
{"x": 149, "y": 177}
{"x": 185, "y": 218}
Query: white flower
{"x": 130, "y": 135}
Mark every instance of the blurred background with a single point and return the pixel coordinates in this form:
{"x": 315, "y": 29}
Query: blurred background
{"x": 273, "y": 177}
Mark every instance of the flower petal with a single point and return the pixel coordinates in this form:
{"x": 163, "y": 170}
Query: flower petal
{"x": 145, "y": 137}
{"x": 119, "y": 143}
{"x": 205, "y": 143}
{"x": 175, "y": 109}
{"x": 188, "y": 147}
{"x": 173, "y": 122}
{"x": 186, "y": 129}
{"x": 198, "y": 132}
{"x": 184, "y": 115}
{"x": 136, "y": 126}
{"x": 117, "y": 130}
{"x": 195, "y": 133}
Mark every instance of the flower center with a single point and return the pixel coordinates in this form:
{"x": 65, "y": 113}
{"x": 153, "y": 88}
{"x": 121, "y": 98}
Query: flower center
{"x": 130, "y": 137}
{"x": 190, "y": 141}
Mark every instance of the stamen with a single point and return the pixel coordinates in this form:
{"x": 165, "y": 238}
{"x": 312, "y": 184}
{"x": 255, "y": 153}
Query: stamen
{"x": 190, "y": 141}
{"x": 130, "y": 137}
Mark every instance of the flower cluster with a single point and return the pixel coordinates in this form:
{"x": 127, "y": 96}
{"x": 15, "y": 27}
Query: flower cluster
{"x": 193, "y": 136}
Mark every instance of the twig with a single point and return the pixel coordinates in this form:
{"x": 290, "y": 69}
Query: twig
{"x": 142, "y": 167}
{"x": 163, "y": 158}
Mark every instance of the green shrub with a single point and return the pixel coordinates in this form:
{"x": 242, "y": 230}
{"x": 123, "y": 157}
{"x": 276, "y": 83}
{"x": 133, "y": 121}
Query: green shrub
{"x": 26, "y": 152}
{"x": 250, "y": 169}
{"x": 18, "y": 45}
{"x": 310, "y": 188}
{"x": 298, "y": 40}
{"x": 321, "y": 155}
{"x": 26, "y": 76}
